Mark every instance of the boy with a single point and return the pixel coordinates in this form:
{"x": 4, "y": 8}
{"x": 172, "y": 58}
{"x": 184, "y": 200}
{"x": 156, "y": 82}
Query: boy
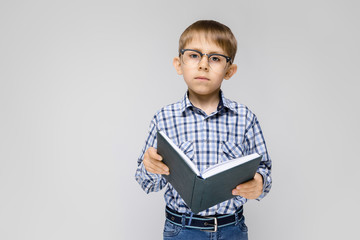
{"x": 209, "y": 128}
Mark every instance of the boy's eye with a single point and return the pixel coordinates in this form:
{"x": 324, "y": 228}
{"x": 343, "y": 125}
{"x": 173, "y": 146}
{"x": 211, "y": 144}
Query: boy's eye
{"x": 215, "y": 59}
{"x": 194, "y": 55}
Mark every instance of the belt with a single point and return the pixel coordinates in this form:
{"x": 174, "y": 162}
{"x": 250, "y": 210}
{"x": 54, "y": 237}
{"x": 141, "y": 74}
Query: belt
{"x": 208, "y": 223}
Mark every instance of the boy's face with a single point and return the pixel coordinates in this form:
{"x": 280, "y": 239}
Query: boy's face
{"x": 201, "y": 79}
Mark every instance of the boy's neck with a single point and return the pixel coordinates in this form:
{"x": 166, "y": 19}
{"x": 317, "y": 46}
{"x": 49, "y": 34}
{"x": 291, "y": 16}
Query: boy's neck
{"x": 207, "y": 103}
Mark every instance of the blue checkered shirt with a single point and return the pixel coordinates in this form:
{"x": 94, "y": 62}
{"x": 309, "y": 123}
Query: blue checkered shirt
{"x": 229, "y": 132}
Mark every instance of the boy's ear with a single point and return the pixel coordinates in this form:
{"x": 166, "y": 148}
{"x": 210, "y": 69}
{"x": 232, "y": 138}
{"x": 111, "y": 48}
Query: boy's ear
{"x": 230, "y": 71}
{"x": 177, "y": 65}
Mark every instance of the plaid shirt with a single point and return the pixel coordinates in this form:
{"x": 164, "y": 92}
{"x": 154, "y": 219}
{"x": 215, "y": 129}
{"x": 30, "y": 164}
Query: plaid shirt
{"x": 229, "y": 132}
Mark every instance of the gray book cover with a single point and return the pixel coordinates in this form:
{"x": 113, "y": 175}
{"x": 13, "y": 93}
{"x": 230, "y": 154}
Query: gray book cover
{"x": 201, "y": 193}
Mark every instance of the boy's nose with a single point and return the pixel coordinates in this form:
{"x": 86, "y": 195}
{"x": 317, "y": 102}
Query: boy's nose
{"x": 204, "y": 63}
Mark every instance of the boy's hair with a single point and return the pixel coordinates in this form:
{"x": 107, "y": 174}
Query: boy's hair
{"x": 213, "y": 31}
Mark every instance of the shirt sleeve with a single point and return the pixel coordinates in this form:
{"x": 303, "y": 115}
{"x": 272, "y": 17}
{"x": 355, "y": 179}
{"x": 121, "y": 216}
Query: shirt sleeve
{"x": 149, "y": 182}
{"x": 256, "y": 142}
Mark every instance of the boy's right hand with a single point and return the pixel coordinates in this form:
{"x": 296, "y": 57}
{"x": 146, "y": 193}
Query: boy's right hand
{"x": 153, "y": 162}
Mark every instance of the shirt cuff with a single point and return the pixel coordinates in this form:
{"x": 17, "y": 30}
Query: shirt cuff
{"x": 149, "y": 182}
{"x": 266, "y": 184}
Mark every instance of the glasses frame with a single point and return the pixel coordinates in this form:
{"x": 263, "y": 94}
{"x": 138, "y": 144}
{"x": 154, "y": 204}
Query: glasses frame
{"x": 228, "y": 59}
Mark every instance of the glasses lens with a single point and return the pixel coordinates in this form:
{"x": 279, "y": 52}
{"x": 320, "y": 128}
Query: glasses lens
{"x": 217, "y": 62}
{"x": 193, "y": 58}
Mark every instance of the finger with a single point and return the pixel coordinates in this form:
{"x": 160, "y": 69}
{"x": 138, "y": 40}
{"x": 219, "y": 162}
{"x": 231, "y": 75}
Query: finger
{"x": 155, "y": 170}
{"x": 238, "y": 193}
{"x": 153, "y": 154}
{"x": 243, "y": 191}
{"x": 155, "y": 166}
{"x": 247, "y": 185}
{"x": 160, "y": 165}
{"x": 247, "y": 195}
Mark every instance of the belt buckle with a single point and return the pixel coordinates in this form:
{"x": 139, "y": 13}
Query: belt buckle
{"x": 215, "y": 225}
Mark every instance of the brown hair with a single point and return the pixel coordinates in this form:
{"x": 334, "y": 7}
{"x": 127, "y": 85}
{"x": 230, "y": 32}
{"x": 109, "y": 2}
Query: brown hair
{"x": 213, "y": 31}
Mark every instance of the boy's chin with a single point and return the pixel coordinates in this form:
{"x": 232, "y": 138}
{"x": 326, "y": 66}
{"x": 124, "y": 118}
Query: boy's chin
{"x": 203, "y": 92}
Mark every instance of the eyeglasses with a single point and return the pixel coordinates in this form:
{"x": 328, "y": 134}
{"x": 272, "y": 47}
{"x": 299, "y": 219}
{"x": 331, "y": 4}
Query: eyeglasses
{"x": 216, "y": 61}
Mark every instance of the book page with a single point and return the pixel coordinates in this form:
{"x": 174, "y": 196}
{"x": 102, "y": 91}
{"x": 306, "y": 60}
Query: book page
{"x": 182, "y": 154}
{"x": 213, "y": 170}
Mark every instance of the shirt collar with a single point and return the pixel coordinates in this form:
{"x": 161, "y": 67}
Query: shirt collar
{"x": 224, "y": 102}
{"x": 185, "y": 103}
{"x": 228, "y": 103}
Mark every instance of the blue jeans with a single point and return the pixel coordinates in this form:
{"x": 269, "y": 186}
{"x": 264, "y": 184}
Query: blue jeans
{"x": 237, "y": 231}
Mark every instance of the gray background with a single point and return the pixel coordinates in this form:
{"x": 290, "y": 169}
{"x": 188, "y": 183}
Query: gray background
{"x": 81, "y": 80}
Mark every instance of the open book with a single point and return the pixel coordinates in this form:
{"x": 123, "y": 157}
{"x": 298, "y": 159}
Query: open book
{"x": 201, "y": 190}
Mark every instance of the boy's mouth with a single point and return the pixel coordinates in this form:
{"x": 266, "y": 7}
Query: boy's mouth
{"x": 202, "y": 78}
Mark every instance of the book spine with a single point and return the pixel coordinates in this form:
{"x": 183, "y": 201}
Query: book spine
{"x": 197, "y": 195}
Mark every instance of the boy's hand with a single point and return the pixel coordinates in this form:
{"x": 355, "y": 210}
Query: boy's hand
{"x": 251, "y": 189}
{"x": 152, "y": 162}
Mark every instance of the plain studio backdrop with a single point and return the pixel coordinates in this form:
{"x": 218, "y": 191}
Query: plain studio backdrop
{"x": 81, "y": 80}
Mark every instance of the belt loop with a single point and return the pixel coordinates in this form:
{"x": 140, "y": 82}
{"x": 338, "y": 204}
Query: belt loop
{"x": 191, "y": 216}
{"x": 236, "y": 218}
{"x": 183, "y": 220}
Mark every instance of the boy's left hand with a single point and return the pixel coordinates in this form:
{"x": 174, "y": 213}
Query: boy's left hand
{"x": 251, "y": 189}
